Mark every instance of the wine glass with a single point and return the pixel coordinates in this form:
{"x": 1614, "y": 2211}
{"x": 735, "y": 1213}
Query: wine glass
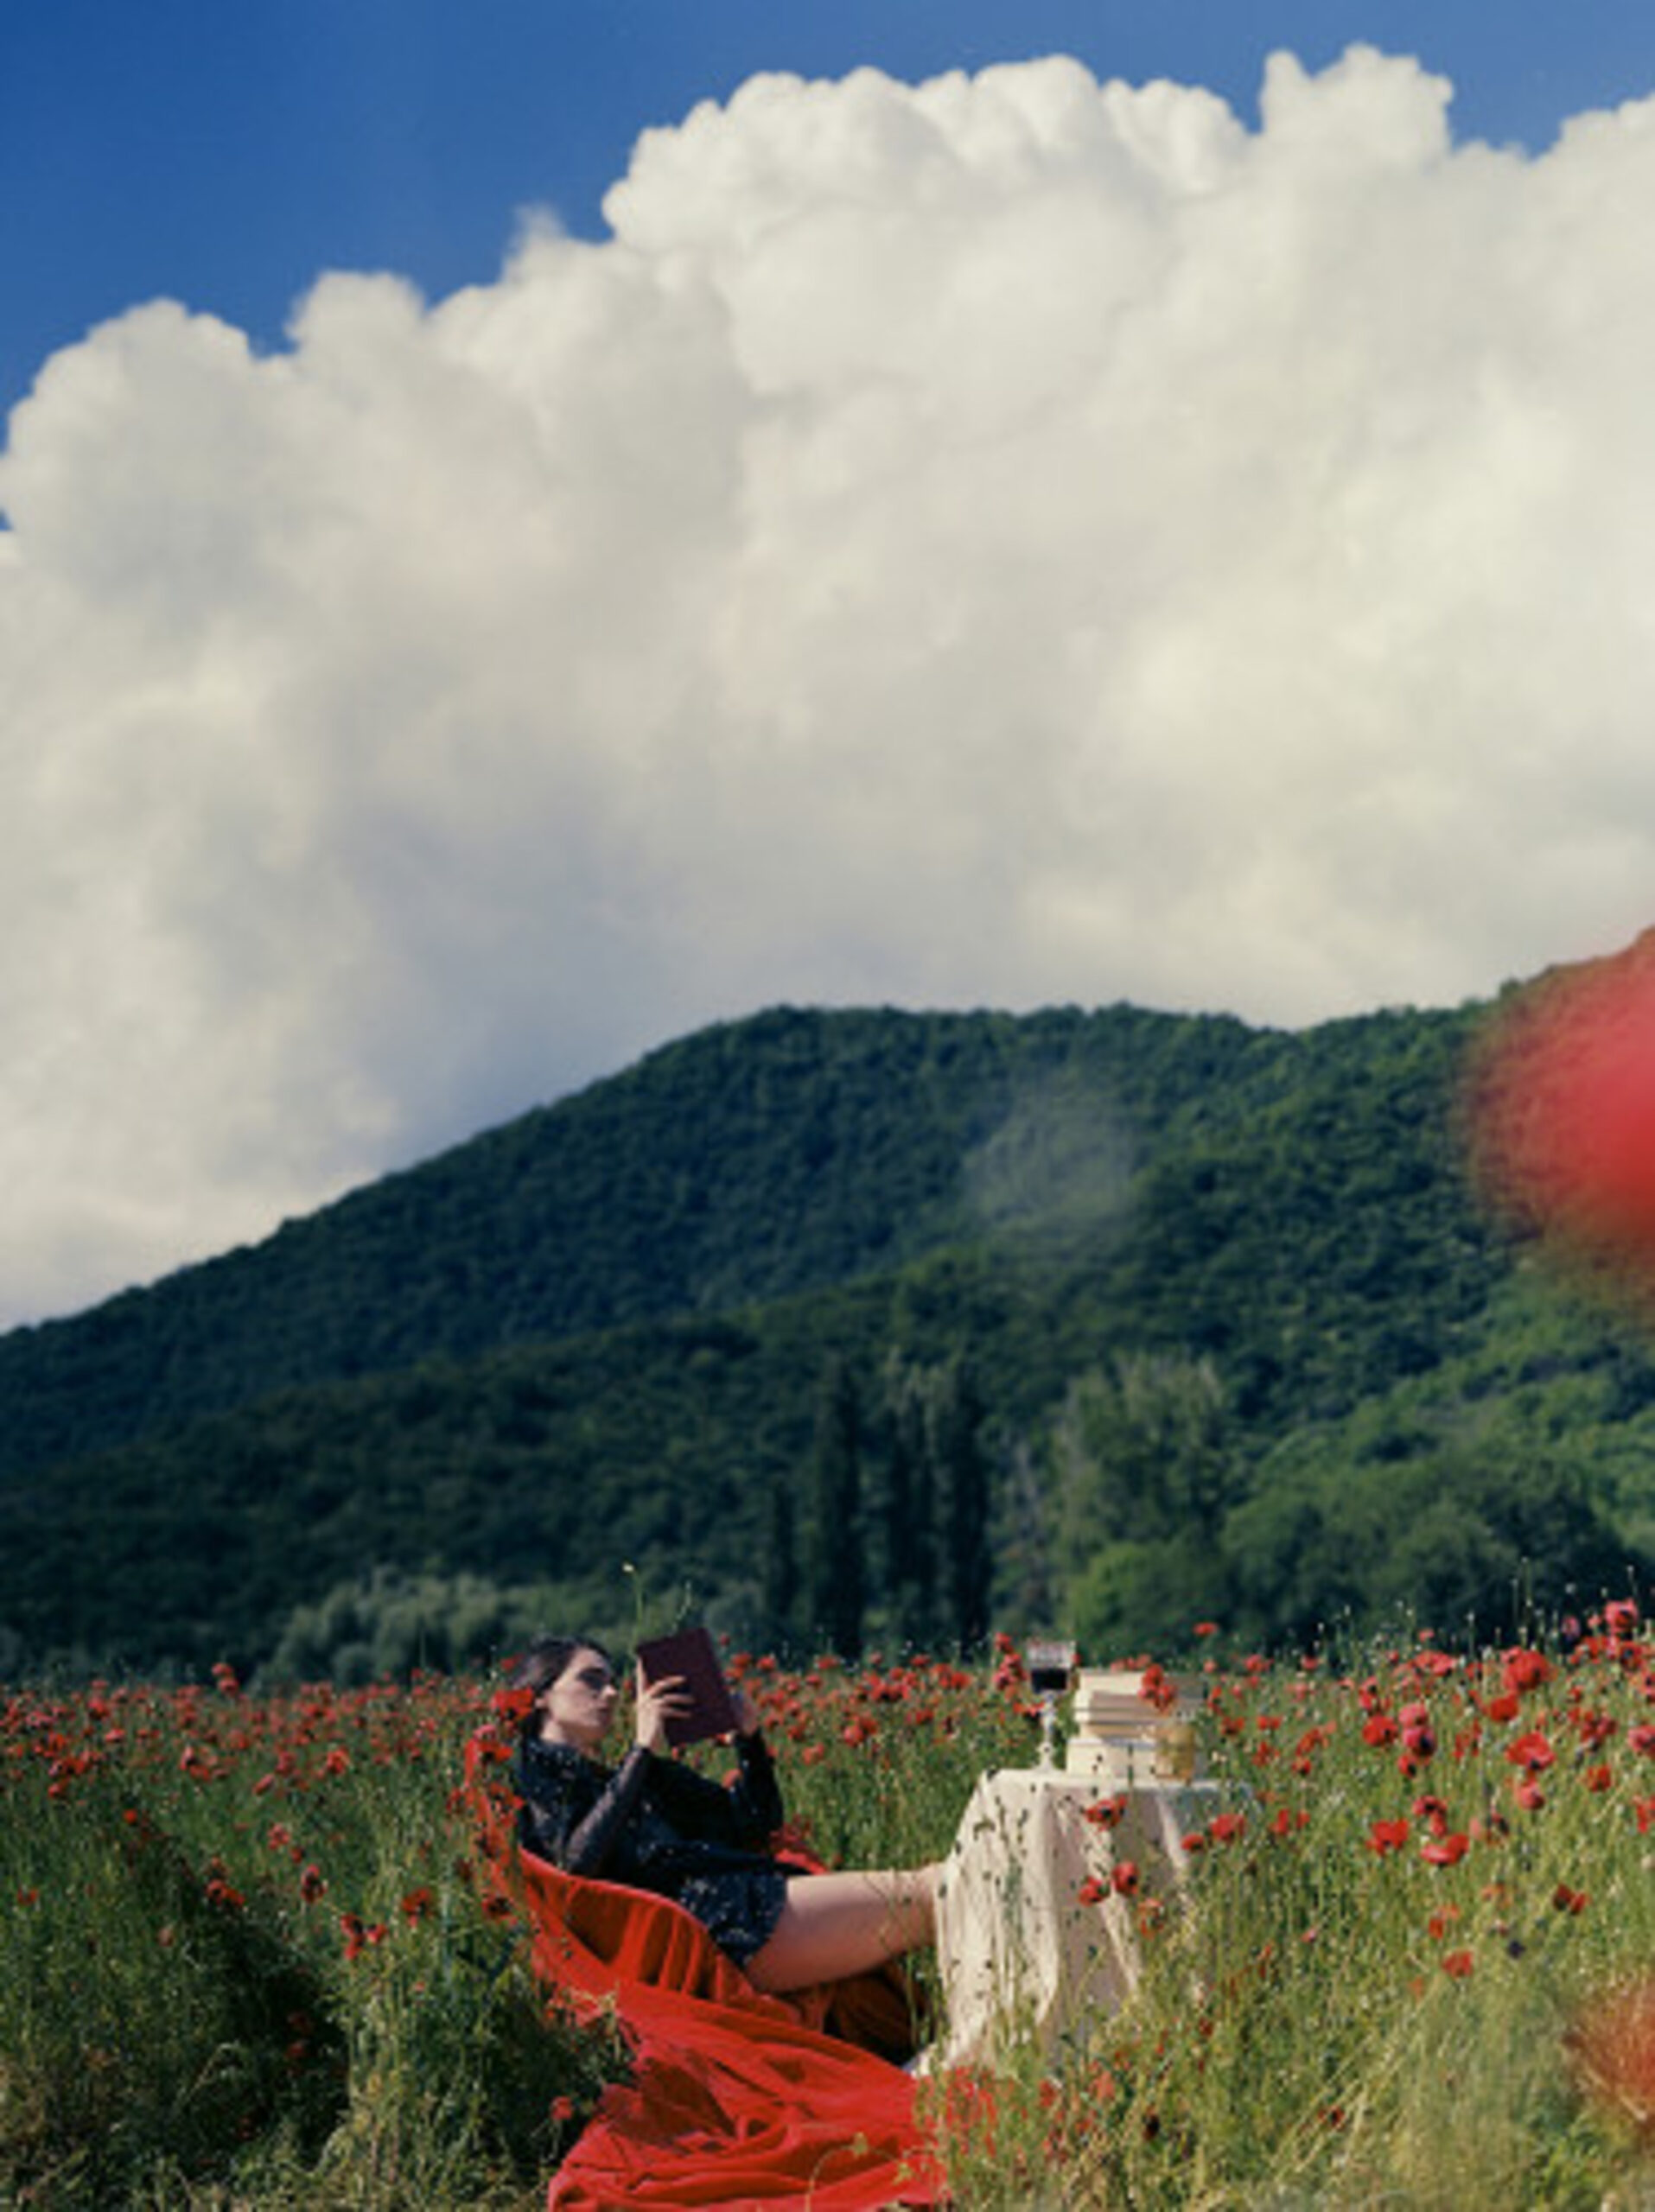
{"x": 1051, "y": 1665}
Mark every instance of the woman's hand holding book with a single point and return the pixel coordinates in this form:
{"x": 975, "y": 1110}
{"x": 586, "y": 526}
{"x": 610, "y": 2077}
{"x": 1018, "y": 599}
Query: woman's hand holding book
{"x": 659, "y": 1703}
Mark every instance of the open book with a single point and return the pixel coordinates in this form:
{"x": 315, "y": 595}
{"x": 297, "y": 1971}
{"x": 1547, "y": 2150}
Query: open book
{"x": 689, "y": 1652}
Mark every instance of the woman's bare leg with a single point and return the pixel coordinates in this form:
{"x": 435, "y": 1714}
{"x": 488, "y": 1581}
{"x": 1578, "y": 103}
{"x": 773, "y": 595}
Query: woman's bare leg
{"x": 838, "y": 1924}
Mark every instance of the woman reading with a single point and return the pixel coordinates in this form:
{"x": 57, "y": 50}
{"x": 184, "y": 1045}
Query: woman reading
{"x": 652, "y": 1824}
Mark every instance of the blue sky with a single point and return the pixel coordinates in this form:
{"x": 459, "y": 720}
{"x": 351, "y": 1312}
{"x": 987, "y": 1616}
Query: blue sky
{"x": 1166, "y": 512}
{"x": 226, "y": 152}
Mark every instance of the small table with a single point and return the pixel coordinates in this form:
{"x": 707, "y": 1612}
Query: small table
{"x": 1020, "y": 1955}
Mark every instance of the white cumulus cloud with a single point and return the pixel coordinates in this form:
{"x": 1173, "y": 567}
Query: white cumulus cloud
{"x": 1005, "y": 539}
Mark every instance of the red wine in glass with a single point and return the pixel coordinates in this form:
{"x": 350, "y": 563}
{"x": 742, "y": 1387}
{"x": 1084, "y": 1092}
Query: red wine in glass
{"x": 1049, "y": 1666}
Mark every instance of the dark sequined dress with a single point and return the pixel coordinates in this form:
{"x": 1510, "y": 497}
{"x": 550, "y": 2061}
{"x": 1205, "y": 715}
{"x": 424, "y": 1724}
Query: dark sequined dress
{"x": 655, "y": 1825}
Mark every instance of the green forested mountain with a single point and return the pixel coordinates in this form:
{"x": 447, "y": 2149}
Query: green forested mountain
{"x": 1211, "y": 1308}
{"x": 783, "y": 1153}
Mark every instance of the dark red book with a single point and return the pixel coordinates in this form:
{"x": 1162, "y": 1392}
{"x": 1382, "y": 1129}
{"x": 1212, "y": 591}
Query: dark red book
{"x": 689, "y": 1652}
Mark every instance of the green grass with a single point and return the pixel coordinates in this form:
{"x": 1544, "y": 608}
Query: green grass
{"x": 252, "y": 1960}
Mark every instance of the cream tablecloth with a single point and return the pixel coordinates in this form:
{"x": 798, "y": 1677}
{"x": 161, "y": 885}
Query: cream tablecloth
{"x": 1020, "y": 1956}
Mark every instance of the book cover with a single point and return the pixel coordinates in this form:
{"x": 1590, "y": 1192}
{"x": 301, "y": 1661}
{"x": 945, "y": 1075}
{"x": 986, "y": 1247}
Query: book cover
{"x": 689, "y": 1652}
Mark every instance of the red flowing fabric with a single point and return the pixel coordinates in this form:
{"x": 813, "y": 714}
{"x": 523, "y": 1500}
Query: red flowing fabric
{"x": 736, "y": 2098}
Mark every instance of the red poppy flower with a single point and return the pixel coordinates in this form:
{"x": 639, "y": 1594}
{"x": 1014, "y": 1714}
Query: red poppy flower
{"x": 1434, "y": 1813}
{"x": 1445, "y": 1850}
{"x": 1457, "y": 1964}
{"x": 1157, "y": 1688}
{"x": 1531, "y": 1752}
{"x": 1525, "y": 1670}
{"x": 1107, "y": 1813}
{"x": 1124, "y": 1878}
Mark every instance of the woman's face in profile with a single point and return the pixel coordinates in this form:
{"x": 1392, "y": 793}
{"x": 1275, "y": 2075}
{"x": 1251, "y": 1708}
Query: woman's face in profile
{"x": 579, "y": 1706}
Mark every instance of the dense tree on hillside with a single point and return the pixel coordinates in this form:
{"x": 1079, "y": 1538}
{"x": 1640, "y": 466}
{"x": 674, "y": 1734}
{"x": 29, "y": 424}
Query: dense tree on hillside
{"x": 1145, "y": 1453}
{"x": 1028, "y": 1599}
{"x": 963, "y": 1477}
{"x": 1481, "y": 1534}
{"x": 387, "y": 1623}
{"x": 838, "y": 1587}
{"x": 1146, "y": 1468}
{"x": 779, "y": 1627}
{"x": 909, "y": 1508}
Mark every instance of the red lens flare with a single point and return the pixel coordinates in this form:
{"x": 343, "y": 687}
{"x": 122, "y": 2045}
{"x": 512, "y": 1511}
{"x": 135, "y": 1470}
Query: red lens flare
{"x": 1561, "y": 1108}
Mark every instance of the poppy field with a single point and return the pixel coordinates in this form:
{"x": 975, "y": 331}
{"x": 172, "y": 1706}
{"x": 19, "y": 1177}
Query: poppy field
{"x": 254, "y": 1958}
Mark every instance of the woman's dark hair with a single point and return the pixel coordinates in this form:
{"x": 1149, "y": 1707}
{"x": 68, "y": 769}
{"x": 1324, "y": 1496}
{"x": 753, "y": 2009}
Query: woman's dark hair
{"x": 545, "y": 1661}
